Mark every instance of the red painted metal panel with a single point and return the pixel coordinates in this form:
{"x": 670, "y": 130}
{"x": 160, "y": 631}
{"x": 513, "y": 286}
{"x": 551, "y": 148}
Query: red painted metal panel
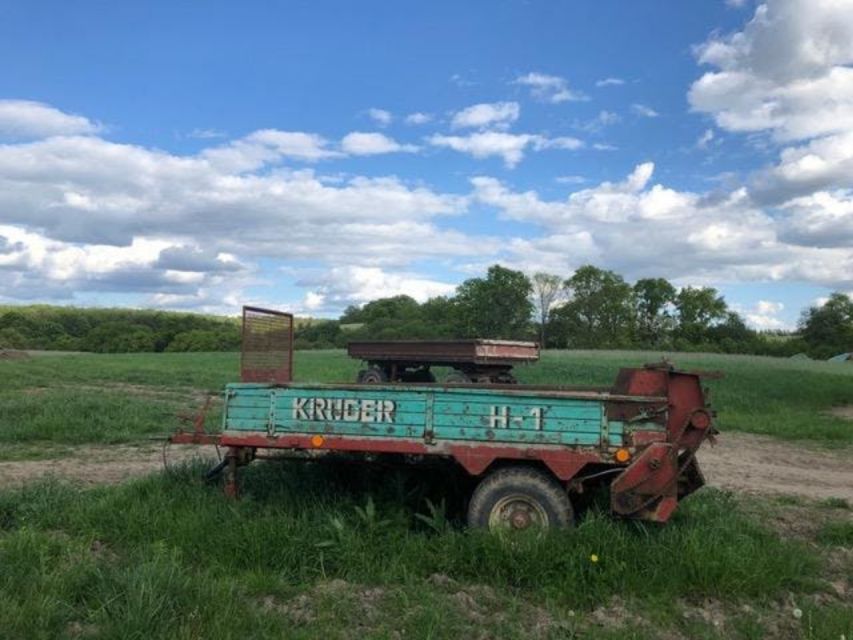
{"x": 649, "y": 487}
{"x": 475, "y": 459}
{"x": 642, "y": 438}
{"x": 188, "y": 437}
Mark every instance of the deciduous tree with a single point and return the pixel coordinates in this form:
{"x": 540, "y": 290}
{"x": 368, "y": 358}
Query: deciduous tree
{"x": 600, "y": 310}
{"x": 547, "y": 291}
{"x": 828, "y": 329}
{"x": 497, "y": 306}
{"x": 698, "y": 309}
{"x": 654, "y": 298}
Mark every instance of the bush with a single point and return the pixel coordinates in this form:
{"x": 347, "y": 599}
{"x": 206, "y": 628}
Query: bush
{"x": 118, "y": 337}
{"x": 224, "y": 339}
{"x": 114, "y": 330}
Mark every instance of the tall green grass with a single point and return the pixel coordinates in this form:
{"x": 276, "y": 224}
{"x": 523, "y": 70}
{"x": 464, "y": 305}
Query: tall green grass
{"x": 167, "y": 557}
{"x": 66, "y": 415}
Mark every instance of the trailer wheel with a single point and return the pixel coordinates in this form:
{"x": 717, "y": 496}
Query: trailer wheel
{"x": 372, "y": 375}
{"x": 519, "y": 498}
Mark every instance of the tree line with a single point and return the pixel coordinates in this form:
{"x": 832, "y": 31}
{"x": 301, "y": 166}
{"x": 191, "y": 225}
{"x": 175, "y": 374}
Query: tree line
{"x": 114, "y": 330}
{"x": 593, "y": 309}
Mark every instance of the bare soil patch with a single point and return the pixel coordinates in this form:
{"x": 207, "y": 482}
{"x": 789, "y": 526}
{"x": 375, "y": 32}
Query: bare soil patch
{"x": 764, "y": 465}
{"x": 103, "y": 464}
{"x": 739, "y": 462}
{"x": 11, "y": 354}
{"x": 144, "y": 391}
{"x": 845, "y": 413}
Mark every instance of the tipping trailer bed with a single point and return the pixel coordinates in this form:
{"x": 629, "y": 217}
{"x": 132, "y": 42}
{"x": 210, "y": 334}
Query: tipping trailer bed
{"x": 530, "y": 448}
{"x": 472, "y": 360}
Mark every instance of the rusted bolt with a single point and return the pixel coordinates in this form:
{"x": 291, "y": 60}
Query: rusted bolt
{"x": 700, "y": 420}
{"x": 520, "y": 519}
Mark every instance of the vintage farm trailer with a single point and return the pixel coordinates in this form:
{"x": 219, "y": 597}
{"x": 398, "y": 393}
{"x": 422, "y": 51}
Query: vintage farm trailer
{"x": 530, "y": 447}
{"x": 412, "y": 360}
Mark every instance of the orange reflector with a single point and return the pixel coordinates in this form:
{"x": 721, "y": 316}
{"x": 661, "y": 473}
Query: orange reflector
{"x": 317, "y": 441}
{"x": 622, "y": 455}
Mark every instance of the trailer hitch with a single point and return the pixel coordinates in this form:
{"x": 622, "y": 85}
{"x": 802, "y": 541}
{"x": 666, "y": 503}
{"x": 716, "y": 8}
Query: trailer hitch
{"x": 197, "y": 420}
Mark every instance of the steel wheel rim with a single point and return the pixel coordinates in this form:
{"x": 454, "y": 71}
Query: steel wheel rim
{"x": 517, "y": 512}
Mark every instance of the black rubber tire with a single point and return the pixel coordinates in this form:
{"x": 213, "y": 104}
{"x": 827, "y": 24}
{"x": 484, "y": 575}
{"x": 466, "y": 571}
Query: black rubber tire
{"x": 534, "y": 485}
{"x": 373, "y": 375}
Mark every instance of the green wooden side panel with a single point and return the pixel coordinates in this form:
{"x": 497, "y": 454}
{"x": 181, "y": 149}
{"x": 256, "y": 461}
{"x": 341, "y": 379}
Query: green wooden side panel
{"x": 616, "y": 432}
{"x": 459, "y": 414}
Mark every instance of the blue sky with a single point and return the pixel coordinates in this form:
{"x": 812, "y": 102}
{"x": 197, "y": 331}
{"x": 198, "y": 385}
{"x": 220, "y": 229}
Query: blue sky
{"x": 319, "y": 154}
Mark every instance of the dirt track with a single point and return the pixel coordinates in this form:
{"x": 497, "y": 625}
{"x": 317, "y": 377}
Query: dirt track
{"x": 741, "y": 462}
{"x": 100, "y": 464}
{"x": 758, "y": 464}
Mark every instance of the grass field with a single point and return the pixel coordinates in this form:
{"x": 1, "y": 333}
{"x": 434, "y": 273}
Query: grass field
{"x": 117, "y": 398}
{"x": 338, "y": 552}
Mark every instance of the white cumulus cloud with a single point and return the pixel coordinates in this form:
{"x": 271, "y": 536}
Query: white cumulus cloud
{"x": 787, "y": 72}
{"x": 359, "y": 143}
{"x": 380, "y": 116}
{"x": 267, "y": 146}
{"x": 609, "y": 82}
{"x": 823, "y": 219}
{"x": 418, "y": 117}
{"x": 486, "y": 114}
{"x": 509, "y": 146}
{"x": 641, "y": 229}
{"x": 345, "y": 285}
{"x": 548, "y": 88}
{"x": 644, "y": 110}
{"x": 764, "y": 315}
{"x": 82, "y": 214}
{"x": 705, "y": 139}
{"x": 599, "y": 122}
{"x": 29, "y": 119}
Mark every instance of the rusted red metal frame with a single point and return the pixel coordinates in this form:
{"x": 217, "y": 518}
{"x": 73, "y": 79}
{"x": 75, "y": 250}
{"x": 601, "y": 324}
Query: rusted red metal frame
{"x": 445, "y": 352}
{"x": 649, "y": 487}
{"x": 474, "y": 458}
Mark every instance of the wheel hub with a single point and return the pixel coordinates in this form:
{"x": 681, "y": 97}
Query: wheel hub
{"x": 517, "y": 512}
{"x": 519, "y": 519}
